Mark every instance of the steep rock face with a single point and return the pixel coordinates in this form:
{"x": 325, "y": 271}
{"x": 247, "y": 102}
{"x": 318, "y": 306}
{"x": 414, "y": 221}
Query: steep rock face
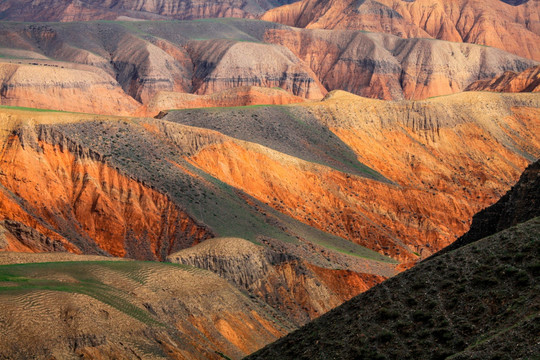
{"x": 226, "y": 64}
{"x": 387, "y": 67}
{"x": 73, "y": 10}
{"x": 25, "y": 238}
{"x": 432, "y": 164}
{"x": 239, "y": 96}
{"x": 52, "y": 85}
{"x": 525, "y": 81}
{"x": 518, "y": 205}
{"x": 74, "y": 193}
{"x": 289, "y": 284}
{"x": 514, "y": 28}
{"x": 93, "y": 308}
{"x": 143, "y": 68}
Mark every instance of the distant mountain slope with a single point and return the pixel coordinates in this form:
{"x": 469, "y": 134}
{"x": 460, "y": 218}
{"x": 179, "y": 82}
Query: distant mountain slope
{"x": 525, "y": 81}
{"x": 511, "y": 26}
{"x": 84, "y": 10}
{"x": 387, "y": 67}
{"x": 83, "y": 307}
{"x": 479, "y": 301}
{"x": 132, "y": 62}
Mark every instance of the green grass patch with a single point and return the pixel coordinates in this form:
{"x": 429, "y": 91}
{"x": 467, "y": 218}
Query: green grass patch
{"x": 22, "y": 108}
{"x": 75, "y": 277}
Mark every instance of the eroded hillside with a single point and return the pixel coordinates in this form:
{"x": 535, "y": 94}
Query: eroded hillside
{"x": 525, "y": 81}
{"x": 123, "y": 187}
{"x": 401, "y": 178}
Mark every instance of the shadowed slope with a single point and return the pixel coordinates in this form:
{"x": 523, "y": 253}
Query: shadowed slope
{"x": 518, "y": 205}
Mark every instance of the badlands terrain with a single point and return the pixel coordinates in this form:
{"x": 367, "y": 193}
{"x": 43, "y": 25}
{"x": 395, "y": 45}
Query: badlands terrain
{"x": 201, "y": 182}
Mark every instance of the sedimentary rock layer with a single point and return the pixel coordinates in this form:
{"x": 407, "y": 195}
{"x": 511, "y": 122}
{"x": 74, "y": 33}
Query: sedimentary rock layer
{"x": 525, "y": 81}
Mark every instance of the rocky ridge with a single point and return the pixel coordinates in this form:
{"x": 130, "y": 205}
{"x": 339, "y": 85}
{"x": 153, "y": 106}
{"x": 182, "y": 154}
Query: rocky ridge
{"x": 80, "y": 10}
{"x": 286, "y": 282}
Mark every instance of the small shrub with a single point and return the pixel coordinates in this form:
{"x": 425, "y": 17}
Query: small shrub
{"x": 387, "y": 314}
{"x": 431, "y": 304}
{"x": 402, "y": 327}
{"x": 506, "y": 270}
{"x": 443, "y": 335}
{"x": 534, "y": 268}
{"x": 418, "y": 285}
{"x": 440, "y": 354}
{"x": 522, "y": 278}
{"x": 446, "y": 284}
{"x": 421, "y": 316}
{"x": 411, "y": 302}
{"x": 483, "y": 281}
{"x": 385, "y": 336}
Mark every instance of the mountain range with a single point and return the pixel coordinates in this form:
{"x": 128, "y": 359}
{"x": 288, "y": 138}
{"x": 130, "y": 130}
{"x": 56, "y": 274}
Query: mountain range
{"x": 198, "y": 180}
